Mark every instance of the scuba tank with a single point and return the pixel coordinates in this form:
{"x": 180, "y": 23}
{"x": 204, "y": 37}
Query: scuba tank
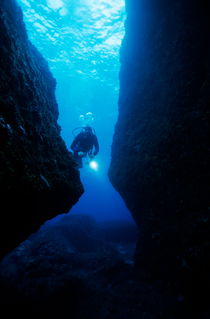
{"x": 76, "y": 130}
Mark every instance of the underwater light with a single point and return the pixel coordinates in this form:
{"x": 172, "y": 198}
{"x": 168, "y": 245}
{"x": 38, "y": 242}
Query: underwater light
{"x": 93, "y": 165}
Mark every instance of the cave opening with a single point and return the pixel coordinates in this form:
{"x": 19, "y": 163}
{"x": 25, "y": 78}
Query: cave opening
{"x": 75, "y": 253}
{"x": 81, "y": 41}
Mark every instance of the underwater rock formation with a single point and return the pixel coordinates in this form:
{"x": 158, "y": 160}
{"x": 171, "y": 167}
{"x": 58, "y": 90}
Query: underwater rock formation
{"x": 38, "y": 179}
{"x": 160, "y": 149}
{"x": 72, "y": 267}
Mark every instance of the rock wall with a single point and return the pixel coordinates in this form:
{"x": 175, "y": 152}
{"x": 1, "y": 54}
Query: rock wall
{"x": 160, "y": 149}
{"x": 38, "y": 179}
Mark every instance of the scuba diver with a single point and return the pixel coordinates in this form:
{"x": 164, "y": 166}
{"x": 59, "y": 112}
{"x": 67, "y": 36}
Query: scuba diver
{"x": 85, "y": 144}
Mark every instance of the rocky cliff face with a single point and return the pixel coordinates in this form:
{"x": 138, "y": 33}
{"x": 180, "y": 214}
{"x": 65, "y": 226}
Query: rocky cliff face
{"x": 160, "y": 148}
{"x": 38, "y": 179}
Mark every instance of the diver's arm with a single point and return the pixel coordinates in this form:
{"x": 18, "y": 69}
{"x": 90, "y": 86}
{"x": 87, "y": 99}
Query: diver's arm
{"x": 74, "y": 143}
{"x": 96, "y": 145}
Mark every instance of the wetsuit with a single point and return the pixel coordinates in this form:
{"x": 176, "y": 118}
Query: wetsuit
{"x": 85, "y": 142}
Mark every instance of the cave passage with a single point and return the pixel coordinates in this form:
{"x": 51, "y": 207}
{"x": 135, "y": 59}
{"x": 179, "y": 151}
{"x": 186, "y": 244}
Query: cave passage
{"x": 81, "y": 41}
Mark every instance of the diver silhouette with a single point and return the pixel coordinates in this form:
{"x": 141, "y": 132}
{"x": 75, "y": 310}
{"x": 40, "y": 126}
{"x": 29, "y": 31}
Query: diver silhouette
{"x": 85, "y": 144}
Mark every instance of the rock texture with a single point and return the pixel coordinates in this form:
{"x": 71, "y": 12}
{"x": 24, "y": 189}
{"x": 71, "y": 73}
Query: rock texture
{"x": 38, "y": 179}
{"x": 160, "y": 150}
{"x": 75, "y": 268}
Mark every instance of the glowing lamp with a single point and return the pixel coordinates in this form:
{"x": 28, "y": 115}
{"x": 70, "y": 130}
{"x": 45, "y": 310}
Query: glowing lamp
{"x": 94, "y": 165}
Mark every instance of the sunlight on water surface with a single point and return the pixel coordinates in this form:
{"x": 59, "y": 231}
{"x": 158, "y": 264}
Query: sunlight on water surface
{"x": 82, "y": 36}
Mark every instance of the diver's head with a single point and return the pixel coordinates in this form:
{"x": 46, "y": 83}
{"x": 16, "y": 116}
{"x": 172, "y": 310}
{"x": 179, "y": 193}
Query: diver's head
{"x": 88, "y": 129}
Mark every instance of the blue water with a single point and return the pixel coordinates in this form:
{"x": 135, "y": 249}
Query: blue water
{"x": 81, "y": 40}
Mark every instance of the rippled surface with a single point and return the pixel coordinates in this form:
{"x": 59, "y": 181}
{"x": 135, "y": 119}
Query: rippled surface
{"x": 80, "y": 36}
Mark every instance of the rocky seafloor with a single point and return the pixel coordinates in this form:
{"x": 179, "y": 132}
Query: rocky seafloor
{"x": 77, "y": 268}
